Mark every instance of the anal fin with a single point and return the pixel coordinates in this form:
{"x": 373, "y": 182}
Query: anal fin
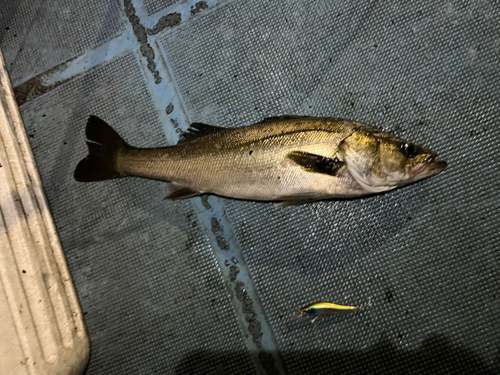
{"x": 316, "y": 163}
{"x": 181, "y": 192}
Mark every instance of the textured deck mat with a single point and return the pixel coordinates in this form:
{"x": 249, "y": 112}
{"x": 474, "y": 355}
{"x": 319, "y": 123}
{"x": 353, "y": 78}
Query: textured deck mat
{"x": 36, "y": 35}
{"x": 153, "y": 6}
{"x": 146, "y": 276}
{"x": 422, "y": 261}
{"x": 426, "y": 255}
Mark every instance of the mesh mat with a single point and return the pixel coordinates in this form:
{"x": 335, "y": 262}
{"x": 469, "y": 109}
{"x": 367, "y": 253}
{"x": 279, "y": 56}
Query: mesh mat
{"x": 153, "y": 6}
{"x": 36, "y": 35}
{"x": 142, "y": 266}
{"x": 426, "y": 256}
{"x": 422, "y": 261}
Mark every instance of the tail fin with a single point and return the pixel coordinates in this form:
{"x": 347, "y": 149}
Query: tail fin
{"x": 104, "y": 146}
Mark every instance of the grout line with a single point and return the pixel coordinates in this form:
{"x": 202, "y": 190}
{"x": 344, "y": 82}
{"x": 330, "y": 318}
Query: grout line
{"x": 186, "y": 9}
{"x": 105, "y": 52}
{"x": 170, "y": 107}
{"x": 117, "y": 46}
{"x": 66, "y": 71}
{"x": 257, "y": 333}
{"x": 170, "y": 73}
{"x": 256, "y": 330}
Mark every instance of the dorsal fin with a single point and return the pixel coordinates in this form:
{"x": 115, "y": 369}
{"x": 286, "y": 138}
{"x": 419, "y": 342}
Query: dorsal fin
{"x": 197, "y": 130}
{"x": 283, "y": 118}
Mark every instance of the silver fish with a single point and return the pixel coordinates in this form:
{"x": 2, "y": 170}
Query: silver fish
{"x": 291, "y": 159}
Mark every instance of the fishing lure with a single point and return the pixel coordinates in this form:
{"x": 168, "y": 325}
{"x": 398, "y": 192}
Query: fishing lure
{"x": 325, "y": 308}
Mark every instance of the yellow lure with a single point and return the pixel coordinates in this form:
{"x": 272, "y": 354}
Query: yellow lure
{"x": 325, "y": 308}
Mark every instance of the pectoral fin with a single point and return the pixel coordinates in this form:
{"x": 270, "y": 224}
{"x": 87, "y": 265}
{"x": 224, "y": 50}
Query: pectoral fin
{"x": 316, "y": 163}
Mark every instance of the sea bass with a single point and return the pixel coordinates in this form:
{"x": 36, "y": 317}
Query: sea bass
{"x": 291, "y": 159}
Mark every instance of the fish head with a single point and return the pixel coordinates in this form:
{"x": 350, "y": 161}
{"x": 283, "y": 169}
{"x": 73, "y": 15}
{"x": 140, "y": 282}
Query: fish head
{"x": 380, "y": 162}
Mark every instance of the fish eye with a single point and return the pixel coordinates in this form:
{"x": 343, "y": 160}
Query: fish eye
{"x": 409, "y": 150}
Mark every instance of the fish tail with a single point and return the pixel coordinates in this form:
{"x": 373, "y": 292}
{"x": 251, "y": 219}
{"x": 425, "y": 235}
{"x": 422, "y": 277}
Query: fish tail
{"x": 105, "y": 147}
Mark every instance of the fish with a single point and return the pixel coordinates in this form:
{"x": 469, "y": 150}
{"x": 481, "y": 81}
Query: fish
{"x": 290, "y": 159}
{"x": 325, "y": 308}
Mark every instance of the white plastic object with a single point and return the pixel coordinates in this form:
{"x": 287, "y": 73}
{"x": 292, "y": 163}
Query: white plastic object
{"x": 41, "y": 324}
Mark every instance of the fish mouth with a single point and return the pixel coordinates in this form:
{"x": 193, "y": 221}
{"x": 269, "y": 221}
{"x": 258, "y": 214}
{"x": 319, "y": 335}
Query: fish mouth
{"x": 429, "y": 167}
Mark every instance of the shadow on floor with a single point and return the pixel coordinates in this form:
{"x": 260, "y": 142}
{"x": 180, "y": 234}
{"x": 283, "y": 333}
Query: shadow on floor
{"x": 437, "y": 355}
